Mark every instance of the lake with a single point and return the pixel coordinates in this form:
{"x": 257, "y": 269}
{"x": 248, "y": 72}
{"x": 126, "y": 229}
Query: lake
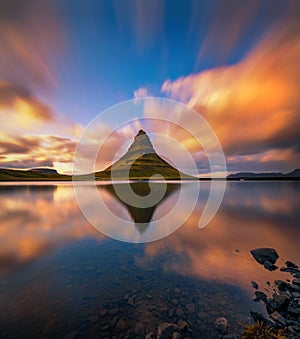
{"x": 60, "y": 277}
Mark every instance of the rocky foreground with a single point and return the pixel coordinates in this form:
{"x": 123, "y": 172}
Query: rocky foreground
{"x": 282, "y": 308}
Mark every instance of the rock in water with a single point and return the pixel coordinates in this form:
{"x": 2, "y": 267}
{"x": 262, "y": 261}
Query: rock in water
{"x": 261, "y": 255}
{"x": 254, "y": 284}
{"x": 279, "y": 318}
{"x": 166, "y": 330}
{"x": 260, "y": 296}
{"x": 183, "y": 325}
{"x": 269, "y": 266}
{"x": 290, "y": 264}
{"x": 221, "y": 325}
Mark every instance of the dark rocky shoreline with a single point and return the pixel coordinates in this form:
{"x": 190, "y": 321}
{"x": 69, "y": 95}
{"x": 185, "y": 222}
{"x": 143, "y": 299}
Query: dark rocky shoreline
{"x": 282, "y": 307}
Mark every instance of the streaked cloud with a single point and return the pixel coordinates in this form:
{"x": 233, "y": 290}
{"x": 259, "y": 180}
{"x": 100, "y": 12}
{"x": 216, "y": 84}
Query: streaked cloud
{"x": 37, "y": 151}
{"x": 253, "y": 106}
{"x": 31, "y": 37}
{"x": 146, "y": 19}
{"x": 141, "y": 93}
{"x": 20, "y": 109}
{"x": 230, "y": 21}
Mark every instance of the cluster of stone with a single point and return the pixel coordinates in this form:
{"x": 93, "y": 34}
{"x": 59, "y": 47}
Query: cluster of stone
{"x": 283, "y": 308}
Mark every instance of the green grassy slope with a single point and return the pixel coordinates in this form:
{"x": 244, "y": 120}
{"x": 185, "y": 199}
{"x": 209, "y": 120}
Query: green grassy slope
{"x": 28, "y": 175}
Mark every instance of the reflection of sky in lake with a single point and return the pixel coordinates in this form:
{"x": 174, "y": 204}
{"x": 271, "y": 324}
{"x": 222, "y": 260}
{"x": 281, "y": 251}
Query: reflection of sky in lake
{"x": 53, "y": 262}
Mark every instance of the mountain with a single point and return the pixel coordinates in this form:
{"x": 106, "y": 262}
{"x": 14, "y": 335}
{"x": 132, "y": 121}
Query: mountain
{"x": 294, "y": 175}
{"x": 43, "y": 170}
{"x": 35, "y": 174}
{"x": 141, "y": 162}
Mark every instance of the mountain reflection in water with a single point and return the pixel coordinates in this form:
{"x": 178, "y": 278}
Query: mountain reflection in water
{"x": 57, "y": 271}
{"x": 142, "y": 216}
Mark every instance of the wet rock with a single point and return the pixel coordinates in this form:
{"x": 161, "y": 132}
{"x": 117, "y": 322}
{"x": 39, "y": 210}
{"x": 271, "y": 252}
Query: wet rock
{"x": 166, "y": 330}
{"x": 281, "y": 285}
{"x": 296, "y": 281}
{"x": 171, "y": 312}
{"x": 272, "y": 306}
{"x": 296, "y": 294}
{"x": 71, "y": 335}
{"x": 183, "y": 325}
{"x": 261, "y": 255}
{"x": 104, "y": 327}
{"x": 130, "y": 301}
{"x": 254, "y": 284}
{"x": 269, "y": 266}
{"x": 290, "y": 264}
{"x": 190, "y": 308}
{"x": 281, "y": 300}
{"x": 113, "y": 311}
{"x": 289, "y": 270}
{"x": 180, "y": 312}
{"x": 93, "y": 319}
{"x": 258, "y": 317}
{"x": 293, "y": 310}
{"x": 260, "y": 296}
{"x": 121, "y": 325}
{"x": 295, "y": 287}
{"x": 291, "y": 330}
{"x": 286, "y": 294}
{"x": 296, "y": 328}
{"x": 221, "y": 325}
{"x": 174, "y": 301}
{"x": 113, "y": 321}
{"x": 278, "y": 318}
{"x": 177, "y": 290}
{"x": 139, "y": 328}
{"x": 150, "y": 335}
{"x": 103, "y": 312}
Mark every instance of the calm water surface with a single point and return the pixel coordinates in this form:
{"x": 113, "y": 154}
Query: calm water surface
{"x": 60, "y": 277}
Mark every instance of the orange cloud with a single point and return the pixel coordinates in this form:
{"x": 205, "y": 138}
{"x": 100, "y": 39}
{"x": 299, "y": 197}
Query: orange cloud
{"x": 37, "y": 151}
{"x": 253, "y": 105}
{"x": 20, "y": 109}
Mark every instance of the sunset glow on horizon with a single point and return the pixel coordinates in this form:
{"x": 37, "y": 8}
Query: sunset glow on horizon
{"x": 62, "y": 63}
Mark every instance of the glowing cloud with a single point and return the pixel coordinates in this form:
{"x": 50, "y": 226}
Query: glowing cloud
{"x": 253, "y": 106}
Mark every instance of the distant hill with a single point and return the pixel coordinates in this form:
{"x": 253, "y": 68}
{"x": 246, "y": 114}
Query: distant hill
{"x": 44, "y": 170}
{"x": 35, "y": 174}
{"x": 294, "y": 175}
{"x": 142, "y": 162}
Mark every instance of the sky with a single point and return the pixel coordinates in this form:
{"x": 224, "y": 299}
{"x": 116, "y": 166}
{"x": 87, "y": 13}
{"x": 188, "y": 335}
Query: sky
{"x": 235, "y": 63}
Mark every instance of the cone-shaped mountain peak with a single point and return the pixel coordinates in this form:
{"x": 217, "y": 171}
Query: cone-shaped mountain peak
{"x": 141, "y": 162}
{"x": 141, "y": 144}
